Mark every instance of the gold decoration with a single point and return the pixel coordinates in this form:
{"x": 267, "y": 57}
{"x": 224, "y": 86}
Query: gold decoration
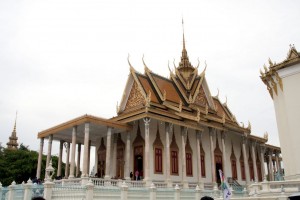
{"x": 270, "y": 62}
{"x": 180, "y": 105}
{"x": 118, "y": 107}
{"x": 266, "y": 69}
{"x": 198, "y": 63}
{"x": 279, "y": 80}
{"x": 249, "y": 125}
{"x": 266, "y": 135}
{"x": 261, "y": 73}
{"x": 206, "y": 109}
{"x": 164, "y": 95}
{"x": 135, "y": 97}
{"x": 148, "y": 99}
{"x": 201, "y": 98}
{"x": 274, "y": 85}
{"x": 243, "y": 124}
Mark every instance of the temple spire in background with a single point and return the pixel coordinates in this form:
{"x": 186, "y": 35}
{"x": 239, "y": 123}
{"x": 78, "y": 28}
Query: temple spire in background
{"x": 13, "y": 139}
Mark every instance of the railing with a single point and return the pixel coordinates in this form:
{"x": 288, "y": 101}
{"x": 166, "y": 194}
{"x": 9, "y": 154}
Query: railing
{"x": 275, "y": 188}
{"x": 4, "y": 195}
{"x": 136, "y": 184}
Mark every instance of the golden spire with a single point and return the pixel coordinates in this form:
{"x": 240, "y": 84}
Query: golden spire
{"x": 13, "y": 139}
{"x": 15, "y": 126}
{"x": 184, "y": 57}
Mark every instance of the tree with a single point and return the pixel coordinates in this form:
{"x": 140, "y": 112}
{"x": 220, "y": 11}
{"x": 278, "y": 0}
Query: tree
{"x": 21, "y": 164}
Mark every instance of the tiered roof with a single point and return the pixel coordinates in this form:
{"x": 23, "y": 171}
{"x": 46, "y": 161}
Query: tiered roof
{"x": 182, "y": 99}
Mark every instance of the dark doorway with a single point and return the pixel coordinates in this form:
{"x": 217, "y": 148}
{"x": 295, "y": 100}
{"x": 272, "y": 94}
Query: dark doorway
{"x": 218, "y": 166}
{"x": 139, "y": 166}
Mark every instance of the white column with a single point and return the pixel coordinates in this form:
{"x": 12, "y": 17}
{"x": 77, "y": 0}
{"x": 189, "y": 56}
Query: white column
{"x": 86, "y": 149}
{"x": 49, "y": 149}
{"x": 198, "y": 137}
{"x": 246, "y": 160}
{"x": 127, "y": 161}
{"x": 224, "y": 160}
{"x": 67, "y": 160}
{"x": 39, "y": 166}
{"x": 212, "y": 156}
{"x": 61, "y": 143}
{"x": 89, "y": 158}
{"x": 78, "y": 160}
{"x": 72, "y": 169}
{"x": 254, "y": 161}
{"x": 147, "y": 153}
{"x": 184, "y": 133}
{"x": 108, "y": 155}
{"x": 271, "y": 174}
{"x": 262, "y": 160}
{"x": 168, "y": 130}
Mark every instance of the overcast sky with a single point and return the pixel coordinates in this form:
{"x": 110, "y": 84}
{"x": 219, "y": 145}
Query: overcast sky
{"x": 63, "y": 59}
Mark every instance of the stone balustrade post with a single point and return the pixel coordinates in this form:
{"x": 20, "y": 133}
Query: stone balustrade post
{"x": 48, "y": 186}
{"x": 152, "y": 192}
{"x": 177, "y": 192}
{"x": 0, "y": 189}
{"x": 197, "y": 192}
{"x": 27, "y": 190}
{"x": 89, "y": 190}
{"x": 11, "y": 191}
{"x": 124, "y": 191}
{"x": 265, "y": 185}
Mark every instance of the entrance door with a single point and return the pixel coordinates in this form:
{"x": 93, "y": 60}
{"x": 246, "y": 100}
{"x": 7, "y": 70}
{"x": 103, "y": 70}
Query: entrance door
{"x": 101, "y": 163}
{"x": 218, "y": 159}
{"x": 138, "y": 161}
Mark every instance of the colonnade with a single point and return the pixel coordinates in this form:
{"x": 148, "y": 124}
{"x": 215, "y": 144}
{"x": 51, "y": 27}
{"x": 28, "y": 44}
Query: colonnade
{"x": 72, "y": 172}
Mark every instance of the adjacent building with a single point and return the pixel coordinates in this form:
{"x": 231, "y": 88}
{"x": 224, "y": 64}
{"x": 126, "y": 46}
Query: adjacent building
{"x": 283, "y": 83}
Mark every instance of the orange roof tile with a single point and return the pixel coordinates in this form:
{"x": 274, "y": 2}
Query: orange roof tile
{"x": 167, "y": 85}
{"x": 147, "y": 87}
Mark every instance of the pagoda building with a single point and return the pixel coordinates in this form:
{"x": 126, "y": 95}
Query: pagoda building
{"x": 13, "y": 139}
{"x": 167, "y": 130}
{"x": 282, "y": 80}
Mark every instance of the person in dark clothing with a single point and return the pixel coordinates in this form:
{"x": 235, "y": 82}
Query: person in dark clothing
{"x": 131, "y": 175}
{"x": 38, "y": 198}
{"x": 207, "y": 198}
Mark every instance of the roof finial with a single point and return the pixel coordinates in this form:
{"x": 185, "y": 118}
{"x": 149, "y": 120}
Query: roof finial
{"x": 15, "y": 126}
{"x": 183, "y": 34}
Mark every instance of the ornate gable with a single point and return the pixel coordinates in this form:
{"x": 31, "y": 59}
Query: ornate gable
{"x": 293, "y": 53}
{"x": 201, "y": 98}
{"x": 135, "y": 99}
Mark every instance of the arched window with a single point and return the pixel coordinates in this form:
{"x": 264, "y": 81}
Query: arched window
{"x": 251, "y": 166}
{"x": 174, "y": 155}
{"x": 243, "y": 173}
{"x": 188, "y": 157}
{"x": 158, "y": 149}
{"x": 202, "y": 159}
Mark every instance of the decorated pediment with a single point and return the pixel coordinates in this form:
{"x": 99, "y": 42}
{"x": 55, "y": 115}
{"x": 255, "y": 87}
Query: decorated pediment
{"x": 135, "y": 98}
{"x": 293, "y": 53}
